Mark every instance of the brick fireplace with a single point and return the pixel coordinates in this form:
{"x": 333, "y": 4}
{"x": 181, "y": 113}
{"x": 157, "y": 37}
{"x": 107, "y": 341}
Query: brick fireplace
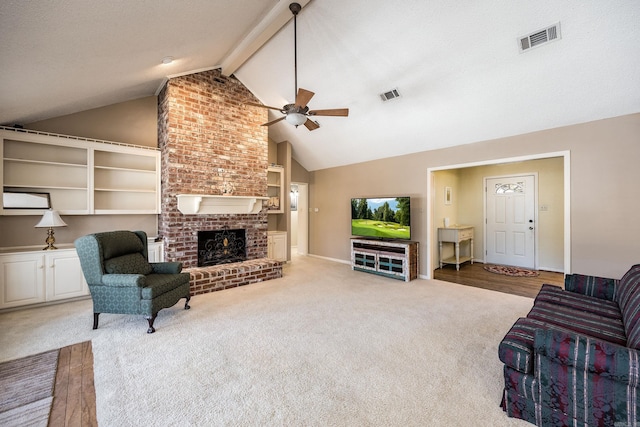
{"x": 212, "y": 144}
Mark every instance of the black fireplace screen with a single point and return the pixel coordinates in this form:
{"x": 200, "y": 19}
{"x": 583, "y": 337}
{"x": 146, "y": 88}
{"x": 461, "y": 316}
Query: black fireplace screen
{"x": 221, "y": 247}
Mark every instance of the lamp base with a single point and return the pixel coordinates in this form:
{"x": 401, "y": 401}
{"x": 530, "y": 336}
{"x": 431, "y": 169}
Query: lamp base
{"x": 50, "y": 240}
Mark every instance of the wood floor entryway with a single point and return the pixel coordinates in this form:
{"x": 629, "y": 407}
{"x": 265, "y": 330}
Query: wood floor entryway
{"x": 476, "y": 275}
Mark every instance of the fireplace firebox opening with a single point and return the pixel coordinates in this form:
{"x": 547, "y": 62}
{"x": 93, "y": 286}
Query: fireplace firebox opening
{"x": 221, "y": 247}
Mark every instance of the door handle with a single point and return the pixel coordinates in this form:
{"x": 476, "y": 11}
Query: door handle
{"x": 530, "y": 228}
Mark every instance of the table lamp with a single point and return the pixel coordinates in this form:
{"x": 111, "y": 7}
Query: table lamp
{"x": 50, "y": 219}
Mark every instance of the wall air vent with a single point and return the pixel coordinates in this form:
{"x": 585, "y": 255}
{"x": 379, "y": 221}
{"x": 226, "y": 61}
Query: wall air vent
{"x": 392, "y": 94}
{"x": 539, "y": 38}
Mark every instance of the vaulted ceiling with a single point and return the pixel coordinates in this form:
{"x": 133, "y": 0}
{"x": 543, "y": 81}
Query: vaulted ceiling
{"x": 456, "y": 65}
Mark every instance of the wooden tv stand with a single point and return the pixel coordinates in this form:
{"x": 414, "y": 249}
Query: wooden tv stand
{"x": 397, "y": 259}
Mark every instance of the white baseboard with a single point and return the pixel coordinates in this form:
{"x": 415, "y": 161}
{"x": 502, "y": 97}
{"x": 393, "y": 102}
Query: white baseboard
{"x": 341, "y": 261}
{"x": 553, "y": 270}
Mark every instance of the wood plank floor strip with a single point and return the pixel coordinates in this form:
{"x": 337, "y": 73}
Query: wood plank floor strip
{"x": 74, "y": 393}
{"x": 74, "y": 401}
{"x": 58, "y": 408}
{"x": 88, "y": 388}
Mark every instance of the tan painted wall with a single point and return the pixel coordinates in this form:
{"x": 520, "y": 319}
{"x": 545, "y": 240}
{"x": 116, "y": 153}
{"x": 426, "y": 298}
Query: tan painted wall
{"x": 298, "y": 172}
{"x": 443, "y": 179}
{"x": 284, "y": 219}
{"x": 273, "y": 151}
{"x": 604, "y": 190}
{"x": 133, "y": 122}
{"x": 21, "y": 231}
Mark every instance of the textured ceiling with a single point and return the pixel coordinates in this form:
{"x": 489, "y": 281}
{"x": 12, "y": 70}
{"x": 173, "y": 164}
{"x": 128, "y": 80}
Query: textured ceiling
{"x": 64, "y": 56}
{"x": 457, "y": 65}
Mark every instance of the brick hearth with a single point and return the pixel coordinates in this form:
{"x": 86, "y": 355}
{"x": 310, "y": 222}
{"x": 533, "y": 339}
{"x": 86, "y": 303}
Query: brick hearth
{"x": 224, "y": 276}
{"x": 211, "y": 143}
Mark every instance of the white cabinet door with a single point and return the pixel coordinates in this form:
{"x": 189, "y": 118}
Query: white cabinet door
{"x": 277, "y": 245}
{"x": 156, "y": 253}
{"x": 21, "y": 279}
{"x": 36, "y": 277}
{"x": 64, "y": 278}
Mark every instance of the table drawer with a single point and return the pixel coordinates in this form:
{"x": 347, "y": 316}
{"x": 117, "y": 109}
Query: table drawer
{"x": 465, "y": 234}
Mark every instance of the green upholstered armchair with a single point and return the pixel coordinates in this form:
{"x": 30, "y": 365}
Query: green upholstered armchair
{"x": 123, "y": 281}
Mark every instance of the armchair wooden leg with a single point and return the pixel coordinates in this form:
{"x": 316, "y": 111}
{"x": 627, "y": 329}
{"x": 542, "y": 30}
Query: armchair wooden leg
{"x": 151, "y": 320}
{"x": 95, "y": 320}
{"x": 186, "y": 303}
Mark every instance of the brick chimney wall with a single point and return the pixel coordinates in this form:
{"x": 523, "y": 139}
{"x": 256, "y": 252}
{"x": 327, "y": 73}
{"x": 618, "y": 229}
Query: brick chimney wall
{"x": 211, "y": 143}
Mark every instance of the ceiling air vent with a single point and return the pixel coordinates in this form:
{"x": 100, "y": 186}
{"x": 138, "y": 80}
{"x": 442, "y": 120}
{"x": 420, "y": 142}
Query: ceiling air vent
{"x": 387, "y": 96}
{"x": 539, "y": 38}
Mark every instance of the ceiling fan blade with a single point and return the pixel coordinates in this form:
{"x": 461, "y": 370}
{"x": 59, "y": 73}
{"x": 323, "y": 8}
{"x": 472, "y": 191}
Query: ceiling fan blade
{"x": 311, "y": 125}
{"x": 273, "y": 121}
{"x": 263, "y": 106}
{"x": 303, "y": 97}
{"x": 343, "y": 112}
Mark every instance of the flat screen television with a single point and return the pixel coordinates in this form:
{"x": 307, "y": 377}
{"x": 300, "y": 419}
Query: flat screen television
{"x": 381, "y": 217}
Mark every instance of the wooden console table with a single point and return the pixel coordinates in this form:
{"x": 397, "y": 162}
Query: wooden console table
{"x": 455, "y": 235}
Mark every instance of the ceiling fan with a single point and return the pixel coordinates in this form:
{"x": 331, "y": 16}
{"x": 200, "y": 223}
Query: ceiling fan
{"x": 299, "y": 113}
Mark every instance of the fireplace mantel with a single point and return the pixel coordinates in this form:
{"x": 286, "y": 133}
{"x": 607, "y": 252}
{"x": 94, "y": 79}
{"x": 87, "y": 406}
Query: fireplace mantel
{"x": 207, "y": 204}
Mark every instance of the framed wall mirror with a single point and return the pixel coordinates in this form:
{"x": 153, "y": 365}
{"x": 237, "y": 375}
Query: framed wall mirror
{"x": 25, "y": 200}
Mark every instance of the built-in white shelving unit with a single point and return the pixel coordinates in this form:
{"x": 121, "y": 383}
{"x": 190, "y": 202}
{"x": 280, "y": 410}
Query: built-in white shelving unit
{"x": 82, "y": 176}
{"x": 275, "y": 189}
{"x": 126, "y": 180}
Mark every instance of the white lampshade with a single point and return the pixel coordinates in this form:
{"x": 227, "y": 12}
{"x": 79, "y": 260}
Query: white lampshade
{"x": 296, "y": 119}
{"x": 51, "y": 218}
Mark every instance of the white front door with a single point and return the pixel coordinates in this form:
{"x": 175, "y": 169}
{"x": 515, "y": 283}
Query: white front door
{"x": 510, "y": 220}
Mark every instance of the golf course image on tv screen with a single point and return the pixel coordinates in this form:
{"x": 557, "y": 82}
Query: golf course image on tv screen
{"x": 382, "y": 217}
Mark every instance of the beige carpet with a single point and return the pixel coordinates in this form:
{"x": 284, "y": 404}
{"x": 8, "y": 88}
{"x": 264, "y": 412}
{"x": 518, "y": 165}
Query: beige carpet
{"x": 26, "y": 389}
{"x": 323, "y": 346}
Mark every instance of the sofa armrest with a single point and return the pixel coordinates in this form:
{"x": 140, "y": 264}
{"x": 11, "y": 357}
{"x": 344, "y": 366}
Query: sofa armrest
{"x": 588, "y": 354}
{"x": 593, "y": 286}
{"x": 166, "y": 267}
{"x": 123, "y": 280}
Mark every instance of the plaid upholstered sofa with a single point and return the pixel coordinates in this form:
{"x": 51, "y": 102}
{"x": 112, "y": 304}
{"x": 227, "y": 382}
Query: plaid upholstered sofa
{"x": 122, "y": 280}
{"x": 575, "y": 358}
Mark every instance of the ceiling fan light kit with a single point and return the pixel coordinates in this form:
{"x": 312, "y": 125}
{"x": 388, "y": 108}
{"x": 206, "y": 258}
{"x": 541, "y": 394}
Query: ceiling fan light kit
{"x": 298, "y": 113}
{"x": 296, "y": 119}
